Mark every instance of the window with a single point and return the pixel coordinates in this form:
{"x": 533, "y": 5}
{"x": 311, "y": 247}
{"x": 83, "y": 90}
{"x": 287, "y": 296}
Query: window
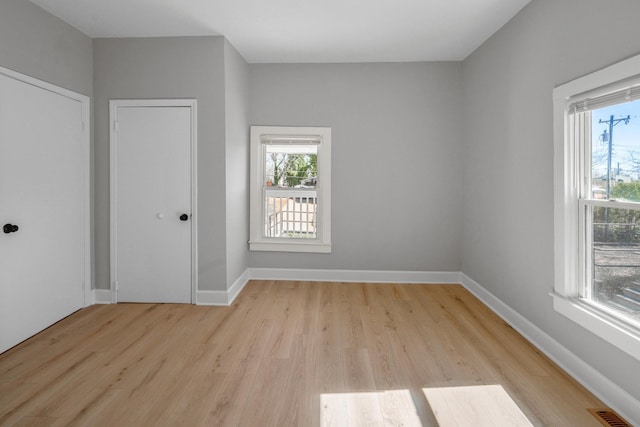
{"x": 290, "y": 189}
{"x": 597, "y": 203}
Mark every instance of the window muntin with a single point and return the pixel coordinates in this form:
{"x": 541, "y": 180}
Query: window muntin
{"x": 290, "y": 189}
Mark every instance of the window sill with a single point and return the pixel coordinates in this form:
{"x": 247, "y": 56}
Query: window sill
{"x": 285, "y": 246}
{"x": 597, "y": 319}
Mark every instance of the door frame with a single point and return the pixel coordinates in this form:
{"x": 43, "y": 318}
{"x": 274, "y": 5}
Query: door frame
{"x": 89, "y": 297}
{"x": 114, "y": 105}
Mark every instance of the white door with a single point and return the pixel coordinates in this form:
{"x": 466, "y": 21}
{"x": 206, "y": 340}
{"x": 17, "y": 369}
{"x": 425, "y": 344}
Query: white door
{"x": 152, "y": 201}
{"x": 42, "y": 209}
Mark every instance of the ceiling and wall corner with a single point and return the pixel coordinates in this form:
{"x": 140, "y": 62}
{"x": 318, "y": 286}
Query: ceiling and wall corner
{"x": 291, "y": 31}
{"x": 48, "y": 48}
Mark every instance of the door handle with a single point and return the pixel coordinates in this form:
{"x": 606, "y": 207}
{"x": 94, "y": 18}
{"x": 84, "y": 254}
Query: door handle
{"x": 184, "y": 217}
{"x": 9, "y": 228}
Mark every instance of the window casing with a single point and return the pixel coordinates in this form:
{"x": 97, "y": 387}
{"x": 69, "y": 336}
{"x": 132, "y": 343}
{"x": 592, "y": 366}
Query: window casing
{"x": 586, "y": 232}
{"x": 290, "y": 189}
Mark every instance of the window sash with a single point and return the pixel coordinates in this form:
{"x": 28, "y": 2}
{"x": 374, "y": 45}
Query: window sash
{"x": 610, "y": 203}
{"x": 586, "y": 241}
{"x": 299, "y": 221}
{"x": 293, "y": 150}
{"x": 585, "y": 254}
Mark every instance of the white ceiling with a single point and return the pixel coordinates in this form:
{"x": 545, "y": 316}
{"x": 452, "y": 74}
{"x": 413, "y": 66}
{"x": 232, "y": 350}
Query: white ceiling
{"x": 303, "y": 30}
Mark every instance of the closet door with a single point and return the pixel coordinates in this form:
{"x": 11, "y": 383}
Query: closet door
{"x": 151, "y": 207}
{"x": 42, "y": 241}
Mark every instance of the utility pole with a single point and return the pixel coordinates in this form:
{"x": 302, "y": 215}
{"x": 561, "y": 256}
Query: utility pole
{"x": 612, "y": 122}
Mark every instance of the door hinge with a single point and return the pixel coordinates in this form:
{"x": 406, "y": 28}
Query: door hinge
{"x": 115, "y": 126}
{"x": 115, "y": 285}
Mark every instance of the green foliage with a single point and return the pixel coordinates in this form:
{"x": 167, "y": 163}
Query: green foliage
{"x": 616, "y": 226}
{"x": 626, "y": 190}
{"x": 298, "y": 168}
{"x": 291, "y": 169}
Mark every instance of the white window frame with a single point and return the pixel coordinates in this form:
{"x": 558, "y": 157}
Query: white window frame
{"x": 569, "y": 271}
{"x": 258, "y": 241}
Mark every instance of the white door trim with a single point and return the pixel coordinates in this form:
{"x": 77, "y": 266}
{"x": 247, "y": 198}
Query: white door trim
{"x": 86, "y": 167}
{"x": 114, "y": 104}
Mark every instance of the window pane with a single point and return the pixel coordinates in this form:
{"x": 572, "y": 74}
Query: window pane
{"x": 290, "y": 166}
{"x": 616, "y": 259}
{"x": 615, "y": 152}
{"x": 291, "y": 214}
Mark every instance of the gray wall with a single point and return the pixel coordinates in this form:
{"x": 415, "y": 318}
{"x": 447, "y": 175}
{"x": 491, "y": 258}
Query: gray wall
{"x": 396, "y": 168}
{"x": 508, "y": 157}
{"x": 177, "y": 67}
{"x": 36, "y": 43}
{"x": 236, "y": 76}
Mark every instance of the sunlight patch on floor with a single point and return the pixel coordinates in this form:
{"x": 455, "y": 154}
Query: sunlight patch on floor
{"x": 390, "y": 407}
{"x": 478, "y": 406}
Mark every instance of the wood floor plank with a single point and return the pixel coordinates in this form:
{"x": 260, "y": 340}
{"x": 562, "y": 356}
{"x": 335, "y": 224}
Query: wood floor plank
{"x": 226, "y": 409}
{"x": 285, "y": 353}
{"x": 36, "y": 422}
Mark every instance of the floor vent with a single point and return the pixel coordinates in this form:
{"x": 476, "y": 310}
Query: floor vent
{"x": 609, "y": 418}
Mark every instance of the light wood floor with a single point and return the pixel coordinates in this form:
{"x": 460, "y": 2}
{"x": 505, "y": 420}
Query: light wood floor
{"x": 289, "y": 354}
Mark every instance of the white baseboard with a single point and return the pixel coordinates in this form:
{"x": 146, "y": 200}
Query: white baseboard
{"x": 237, "y": 286}
{"x": 205, "y": 297}
{"x": 368, "y": 276}
{"x": 223, "y": 298}
{"x": 102, "y": 296}
{"x": 606, "y": 390}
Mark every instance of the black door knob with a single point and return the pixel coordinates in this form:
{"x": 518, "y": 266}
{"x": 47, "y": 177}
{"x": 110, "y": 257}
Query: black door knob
{"x": 9, "y": 228}
{"x": 184, "y": 217}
